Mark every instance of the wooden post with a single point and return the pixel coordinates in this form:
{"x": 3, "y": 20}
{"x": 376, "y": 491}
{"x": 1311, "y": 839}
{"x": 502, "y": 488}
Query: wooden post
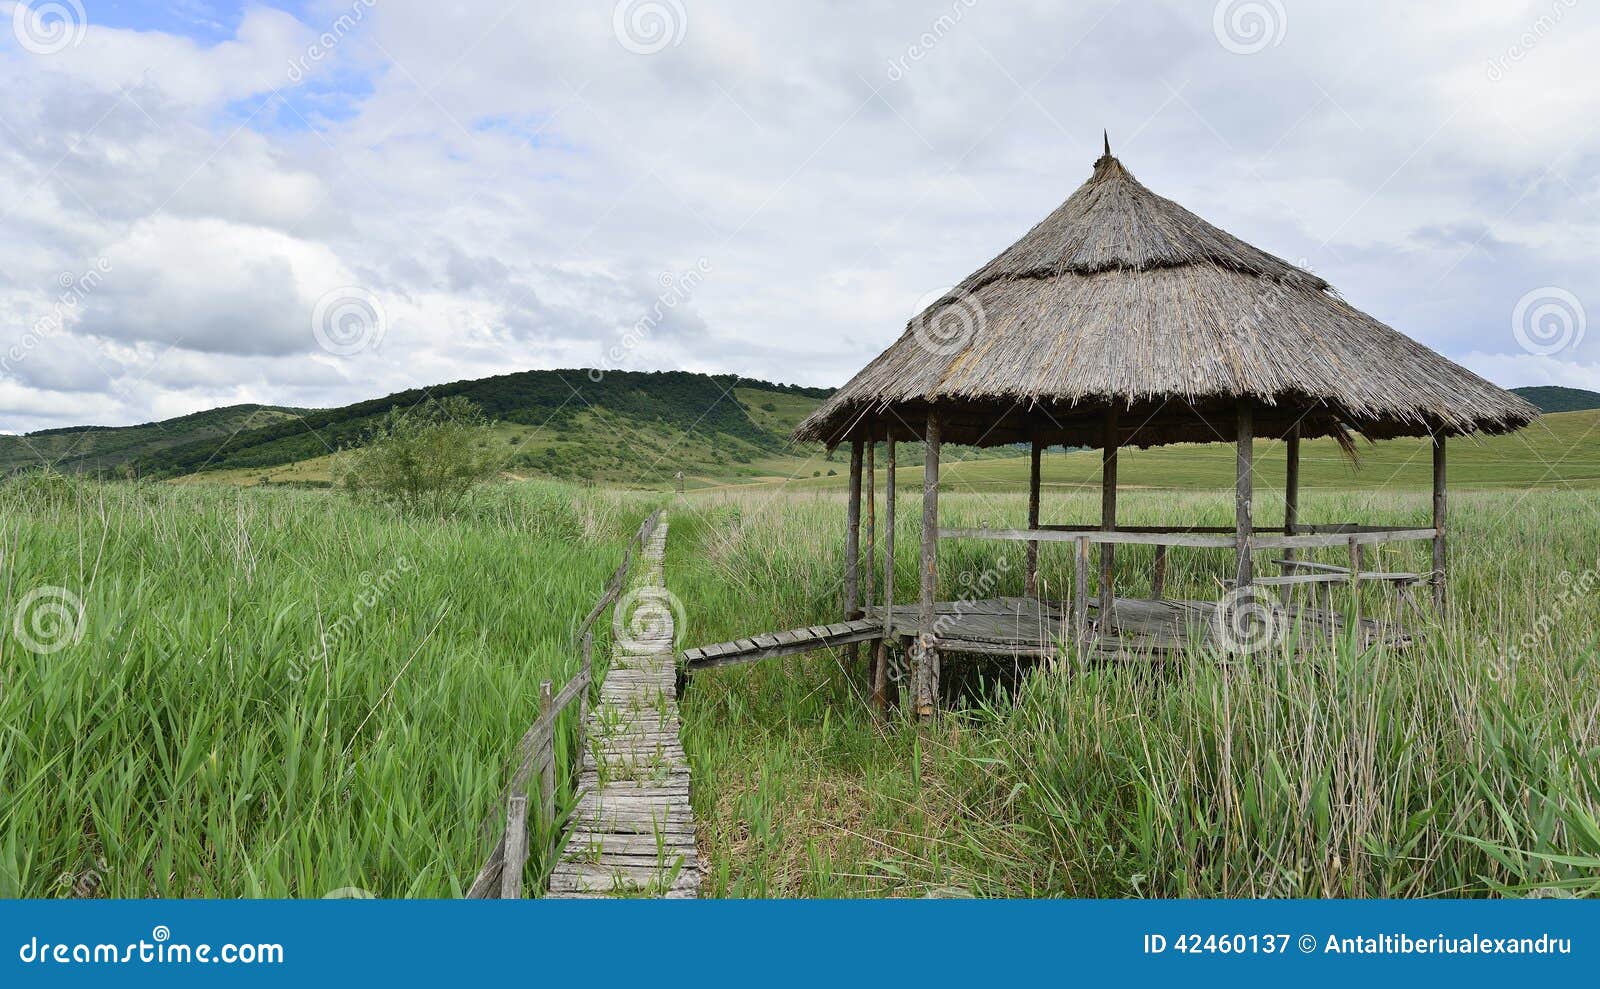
{"x": 1080, "y": 596}
{"x": 1108, "y": 517}
{"x": 1243, "y": 490}
{"x": 852, "y": 548}
{"x": 1439, "y": 560}
{"x": 1356, "y": 561}
{"x": 1291, "y": 486}
{"x": 927, "y": 665}
{"x": 547, "y": 775}
{"x": 871, "y": 564}
{"x": 1030, "y": 586}
{"x": 516, "y": 856}
{"x": 1158, "y": 573}
{"x": 880, "y": 674}
{"x": 587, "y": 672}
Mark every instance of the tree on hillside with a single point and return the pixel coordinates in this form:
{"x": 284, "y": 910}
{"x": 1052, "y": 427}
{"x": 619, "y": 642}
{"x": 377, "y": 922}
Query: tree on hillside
{"x": 423, "y": 459}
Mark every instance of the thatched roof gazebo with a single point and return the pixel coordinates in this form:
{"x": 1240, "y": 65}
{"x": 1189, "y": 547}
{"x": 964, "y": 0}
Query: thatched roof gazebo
{"x": 1122, "y": 319}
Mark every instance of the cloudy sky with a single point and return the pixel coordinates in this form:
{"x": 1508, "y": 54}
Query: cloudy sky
{"x": 315, "y": 203}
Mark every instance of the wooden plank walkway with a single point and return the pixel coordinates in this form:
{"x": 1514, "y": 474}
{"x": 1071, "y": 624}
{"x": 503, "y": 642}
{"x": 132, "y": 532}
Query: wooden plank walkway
{"x": 632, "y": 832}
{"x": 769, "y": 645}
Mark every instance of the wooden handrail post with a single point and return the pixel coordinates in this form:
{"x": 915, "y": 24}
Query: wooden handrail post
{"x": 1030, "y": 584}
{"x": 1356, "y": 560}
{"x": 516, "y": 857}
{"x": 1244, "y": 484}
{"x": 927, "y": 666}
{"x": 1108, "y": 516}
{"x": 880, "y": 675}
{"x": 587, "y": 672}
{"x": 1080, "y": 596}
{"x": 1439, "y": 507}
{"x": 1291, "y": 486}
{"x": 852, "y": 548}
{"x": 547, "y": 775}
{"x": 1158, "y": 573}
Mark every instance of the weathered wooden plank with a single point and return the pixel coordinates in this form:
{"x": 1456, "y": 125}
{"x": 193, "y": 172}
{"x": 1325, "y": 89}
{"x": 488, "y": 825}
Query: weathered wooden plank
{"x": 1186, "y": 538}
{"x": 516, "y": 852}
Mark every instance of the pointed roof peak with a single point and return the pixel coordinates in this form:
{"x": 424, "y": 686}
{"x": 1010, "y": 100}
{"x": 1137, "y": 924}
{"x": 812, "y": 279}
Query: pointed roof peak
{"x": 1107, "y": 135}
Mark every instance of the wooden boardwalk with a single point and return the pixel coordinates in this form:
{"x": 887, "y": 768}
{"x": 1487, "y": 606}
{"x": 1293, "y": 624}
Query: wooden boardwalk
{"x": 632, "y": 833}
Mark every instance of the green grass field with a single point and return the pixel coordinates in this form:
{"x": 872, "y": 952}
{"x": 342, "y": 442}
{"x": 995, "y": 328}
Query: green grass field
{"x": 1462, "y": 767}
{"x": 274, "y": 693}
{"x": 283, "y": 693}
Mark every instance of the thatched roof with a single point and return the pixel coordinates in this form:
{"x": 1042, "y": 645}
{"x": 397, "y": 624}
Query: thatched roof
{"x": 1123, "y": 297}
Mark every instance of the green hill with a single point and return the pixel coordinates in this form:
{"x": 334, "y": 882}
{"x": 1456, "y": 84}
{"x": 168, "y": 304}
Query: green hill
{"x": 1561, "y": 450}
{"x": 1554, "y": 398}
{"x": 625, "y": 427}
{"x": 88, "y": 449}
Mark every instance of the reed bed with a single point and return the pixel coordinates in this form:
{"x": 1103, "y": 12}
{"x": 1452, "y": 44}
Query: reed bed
{"x": 276, "y": 693}
{"x": 1462, "y": 767}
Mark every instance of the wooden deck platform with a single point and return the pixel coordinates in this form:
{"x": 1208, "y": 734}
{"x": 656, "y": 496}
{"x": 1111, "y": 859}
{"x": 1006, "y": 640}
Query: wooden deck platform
{"x": 632, "y": 833}
{"x": 1025, "y": 628}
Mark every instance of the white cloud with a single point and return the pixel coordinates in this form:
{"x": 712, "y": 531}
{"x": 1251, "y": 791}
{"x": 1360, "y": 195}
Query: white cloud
{"x": 510, "y": 181}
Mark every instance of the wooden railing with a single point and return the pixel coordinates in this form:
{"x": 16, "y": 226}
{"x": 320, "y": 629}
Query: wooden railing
{"x": 502, "y": 874}
{"x": 1306, "y": 536}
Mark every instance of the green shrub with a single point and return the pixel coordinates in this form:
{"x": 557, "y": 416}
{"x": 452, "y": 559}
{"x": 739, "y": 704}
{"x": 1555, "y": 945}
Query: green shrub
{"x": 425, "y": 459}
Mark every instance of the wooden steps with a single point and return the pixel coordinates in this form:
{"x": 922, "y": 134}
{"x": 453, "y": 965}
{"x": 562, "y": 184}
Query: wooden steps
{"x": 632, "y": 832}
